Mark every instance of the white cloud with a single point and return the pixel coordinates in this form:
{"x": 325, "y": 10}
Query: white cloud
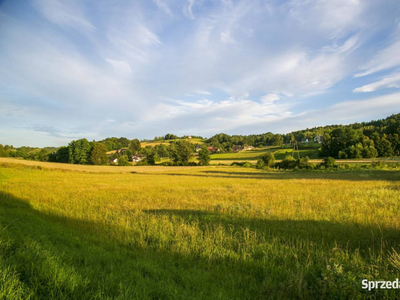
{"x": 120, "y": 66}
{"x": 385, "y": 59}
{"x": 392, "y": 81}
{"x": 199, "y": 92}
{"x": 140, "y": 54}
{"x": 163, "y": 5}
{"x": 337, "y": 18}
{"x": 270, "y": 98}
{"x": 64, "y": 13}
{"x": 187, "y": 10}
{"x": 226, "y": 37}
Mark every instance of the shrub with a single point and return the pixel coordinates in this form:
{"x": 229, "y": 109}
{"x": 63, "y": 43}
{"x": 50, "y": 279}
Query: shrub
{"x": 288, "y": 162}
{"x": 378, "y": 165}
{"x": 142, "y": 163}
{"x": 123, "y": 161}
{"x": 260, "y": 164}
{"x": 268, "y": 159}
{"x": 304, "y": 163}
{"x": 329, "y": 162}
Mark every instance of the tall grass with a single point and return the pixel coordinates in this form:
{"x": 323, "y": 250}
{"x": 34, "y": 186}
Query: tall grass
{"x": 216, "y": 232}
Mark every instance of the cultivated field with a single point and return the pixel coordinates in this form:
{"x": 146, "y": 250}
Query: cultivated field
{"x": 253, "y": 155}
{"x": 196, "y": 232}
{"x": 167, "y": 142}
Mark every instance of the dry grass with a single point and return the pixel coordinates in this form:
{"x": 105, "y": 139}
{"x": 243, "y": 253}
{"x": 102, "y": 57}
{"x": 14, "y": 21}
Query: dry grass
{"x": 192, "y": 232}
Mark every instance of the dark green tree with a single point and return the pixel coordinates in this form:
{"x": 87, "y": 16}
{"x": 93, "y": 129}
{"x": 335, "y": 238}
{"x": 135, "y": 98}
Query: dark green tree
{"x": 277, "y": 140}
{"x": 79, "y": 152}
{"x": 135, "y": 145}
{"x": 62, "y": 155}
{"x": 181, "y": 152}
{"x": 204, "y": 156}
{"x": 384, "y": 147}
{"x": 3, "y": 152}
{"x": 123, "y": 161}
{"x": 98, "y": 155}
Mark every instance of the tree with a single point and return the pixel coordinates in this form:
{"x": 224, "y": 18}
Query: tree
{"x": 3, "y": 152}
{"x": 62, "y": 155}
{"x": 181, "y": 152}
{"x": 204, "y": 156}
{"x": 151, "y": 155}
{"x": 170, "y": 136}
{"x": 123, "y": 161}
{"x": 79, "y": 152}
{"x": 135, "y": 145}
{"x": 268, "y": 159}
{"x": 98, "y": 155}
{"x": 384, "y": 148}
{"x": 277, "y": 140}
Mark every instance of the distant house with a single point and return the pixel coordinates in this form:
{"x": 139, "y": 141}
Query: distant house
{"x": 237, "y": 148}
{"x": 114, "y": 161}
{"x": 213, "y": 150}
{"x": 198, "y": 148}
{"x": 189, "y": 136}
{"x": 305, "y": 140}
{"x": 248, "y": 148}
{"x": 121, "y": 151}
{"x": 137, "y": 157}
{"x": 318, "y": 139}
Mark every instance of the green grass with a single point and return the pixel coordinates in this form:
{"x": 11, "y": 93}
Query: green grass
{"x": 197, "y": 233}
{"x": 257, "y": 153}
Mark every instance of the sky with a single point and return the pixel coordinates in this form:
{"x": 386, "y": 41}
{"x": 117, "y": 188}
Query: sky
{"x": 139, "y": 69}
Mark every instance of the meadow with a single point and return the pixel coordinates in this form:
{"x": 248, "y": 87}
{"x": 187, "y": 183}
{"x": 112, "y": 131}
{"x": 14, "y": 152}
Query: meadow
{"x": 214, "y": 232}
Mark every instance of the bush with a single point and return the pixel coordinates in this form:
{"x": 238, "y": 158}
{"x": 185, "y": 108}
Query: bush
{"x": 268, "y": 159}
{"x": 329, "y": 162}
{"x": 378, "y": 165}
{"x": 123, "y": 161}
{"x": 304, "y": 163}
{"x": 260, "y": 164}
{"x": 288, "y": 162}
{"x": 142, "y": 163}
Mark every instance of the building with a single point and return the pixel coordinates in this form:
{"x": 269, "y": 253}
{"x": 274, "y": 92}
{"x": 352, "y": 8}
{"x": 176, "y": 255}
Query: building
{"x": 137, "y": 157}
{"x": 305, "y": 140}
{"x": 213, "y": 150}
{"x": 318, "y": 139}
{"x": 237, "y": 148}
{"x": 121, "y": 151}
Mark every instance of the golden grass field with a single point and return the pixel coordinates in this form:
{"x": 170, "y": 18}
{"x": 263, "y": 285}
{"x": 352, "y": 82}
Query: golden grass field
{"x": 85, "y": 232}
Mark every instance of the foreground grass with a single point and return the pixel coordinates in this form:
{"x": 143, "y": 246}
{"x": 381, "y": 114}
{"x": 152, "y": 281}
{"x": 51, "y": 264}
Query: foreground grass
{"x": 206, "y": 233}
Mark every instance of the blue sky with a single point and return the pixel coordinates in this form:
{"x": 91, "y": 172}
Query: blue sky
{"x": 139, "y": 69}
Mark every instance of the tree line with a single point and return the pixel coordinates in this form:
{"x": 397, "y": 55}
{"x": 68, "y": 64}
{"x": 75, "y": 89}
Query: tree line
{"x": 372, "y": 139}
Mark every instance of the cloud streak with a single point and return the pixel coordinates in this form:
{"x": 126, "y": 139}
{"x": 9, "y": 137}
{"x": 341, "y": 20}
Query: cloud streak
{"x": 200, "y": 66}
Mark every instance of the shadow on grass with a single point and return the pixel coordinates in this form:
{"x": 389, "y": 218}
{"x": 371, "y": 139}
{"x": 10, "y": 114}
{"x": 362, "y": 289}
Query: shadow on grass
{"x": 350, "y": 236}
{"x": 49, "y": 256}
{"x": 351, "y": 175}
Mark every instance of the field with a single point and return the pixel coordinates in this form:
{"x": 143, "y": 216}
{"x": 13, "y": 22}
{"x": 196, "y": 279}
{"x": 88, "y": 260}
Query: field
{"x": 253, "y": 155}
{"x": 87, "y": 232}
{"x": 167, "y": 142}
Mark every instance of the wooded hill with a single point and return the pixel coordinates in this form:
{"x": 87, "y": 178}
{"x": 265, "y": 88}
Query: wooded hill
{"x": 372, "y": 139}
